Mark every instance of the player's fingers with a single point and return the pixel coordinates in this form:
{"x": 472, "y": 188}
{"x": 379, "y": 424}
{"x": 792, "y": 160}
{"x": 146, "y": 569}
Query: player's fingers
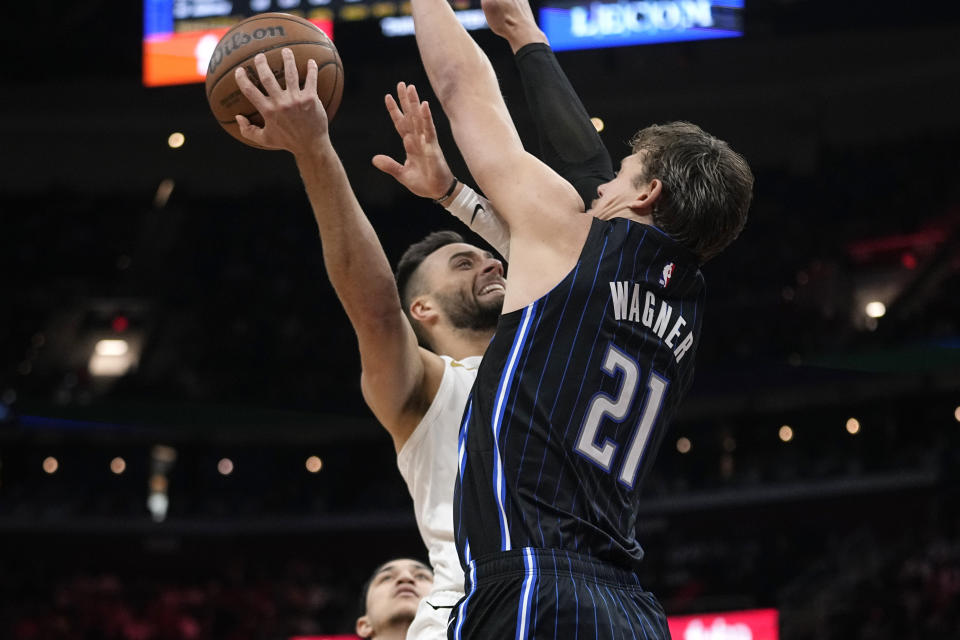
{"x": 291, "y": 77}
{"x": 416, "y": 118}
{"x": 395, "y": 114}
{"x": 250, "y": 90}
{"x": 402, "y": 97}
{"x": 388, "y": 165}
{"x": 413, "y": 95}
{"x": 426, "y": 117}
{"x": 247, "y": 130}
{"x": 267, "y": 79}
{"x": 310, "y": 82}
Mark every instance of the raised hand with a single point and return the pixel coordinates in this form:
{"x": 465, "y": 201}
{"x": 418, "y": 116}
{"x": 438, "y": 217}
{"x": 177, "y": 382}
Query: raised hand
{"x": 424, "y": 171}
{"x": 513, "y": 21}
{"x": 294, "y": 118}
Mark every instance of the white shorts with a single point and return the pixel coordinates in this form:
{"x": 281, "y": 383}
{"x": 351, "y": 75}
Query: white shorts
{"x": 433, "y": 613}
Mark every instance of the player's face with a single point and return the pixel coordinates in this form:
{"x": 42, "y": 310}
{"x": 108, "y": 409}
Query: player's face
{"x": 395, "y": 591}
{"x": 620, "y": 193}
{"x": 468, "y": 284}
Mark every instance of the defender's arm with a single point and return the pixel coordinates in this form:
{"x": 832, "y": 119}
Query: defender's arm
{"x": 399, "y": 379}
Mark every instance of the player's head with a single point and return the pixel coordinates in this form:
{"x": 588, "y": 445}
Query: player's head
{"x": 693, "y": 185}
{"x": 390, "y": 596}
{"x": 443, "y": 281}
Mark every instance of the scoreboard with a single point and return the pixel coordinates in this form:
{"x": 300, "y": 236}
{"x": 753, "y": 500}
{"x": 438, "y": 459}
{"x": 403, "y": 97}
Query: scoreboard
{"x": 179, "y": 36}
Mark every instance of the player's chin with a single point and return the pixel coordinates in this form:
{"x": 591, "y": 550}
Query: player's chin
{"x": 492, "y": 301}
{"x": 405, "y": 607}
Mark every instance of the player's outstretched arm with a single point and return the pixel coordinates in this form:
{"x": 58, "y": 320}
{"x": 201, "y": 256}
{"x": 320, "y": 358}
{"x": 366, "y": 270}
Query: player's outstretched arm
{"x": 569, "y": 143}
{"x": 425, "y": 171}
{"x": 398, "y": 376}
{"x": 518, "y": 184}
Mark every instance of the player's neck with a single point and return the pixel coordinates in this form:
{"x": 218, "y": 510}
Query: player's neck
{"x": 462, "y": 343}
{"x": 628, "y": 214}
{"x": 620, "y": 207}
{"x": 395, "y": 632}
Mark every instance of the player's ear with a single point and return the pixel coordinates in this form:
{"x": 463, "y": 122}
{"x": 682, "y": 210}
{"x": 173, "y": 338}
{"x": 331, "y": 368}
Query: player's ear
{"x": 363, "y": 627}
{"x": 647, "y": 195}
{"x": 423, "y": 310}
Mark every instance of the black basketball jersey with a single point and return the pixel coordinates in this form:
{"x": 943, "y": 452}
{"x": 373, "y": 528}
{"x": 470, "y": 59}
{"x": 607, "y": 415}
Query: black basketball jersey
{"x": 573, "y": 397}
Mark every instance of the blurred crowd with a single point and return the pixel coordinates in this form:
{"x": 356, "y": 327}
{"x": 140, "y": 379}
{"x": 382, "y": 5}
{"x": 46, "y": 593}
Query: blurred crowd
{"x": 878, "y": 584}
{"x": 862, "y": 576}
{"x": 289, "y": 600}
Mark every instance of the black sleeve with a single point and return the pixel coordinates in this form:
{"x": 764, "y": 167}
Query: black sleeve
{"x": 569, "y": 143}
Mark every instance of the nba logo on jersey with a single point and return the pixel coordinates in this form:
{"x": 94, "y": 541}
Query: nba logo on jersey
{"x": 667, "y": 272}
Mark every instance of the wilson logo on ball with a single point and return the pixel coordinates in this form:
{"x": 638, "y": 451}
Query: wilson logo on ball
{"x": 239, "y": 39}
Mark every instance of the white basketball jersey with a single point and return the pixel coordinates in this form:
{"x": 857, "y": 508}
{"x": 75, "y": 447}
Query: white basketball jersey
{"x": 428, "y": 463}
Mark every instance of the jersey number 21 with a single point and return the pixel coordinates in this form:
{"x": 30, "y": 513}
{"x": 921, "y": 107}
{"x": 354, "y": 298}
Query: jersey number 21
{"x": 617, "y": 409}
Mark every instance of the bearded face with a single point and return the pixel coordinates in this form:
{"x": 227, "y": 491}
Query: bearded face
{"x": 471, "y": 312}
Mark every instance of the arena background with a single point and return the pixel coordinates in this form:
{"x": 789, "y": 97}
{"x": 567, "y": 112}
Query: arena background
{"x": 205, "y": 260}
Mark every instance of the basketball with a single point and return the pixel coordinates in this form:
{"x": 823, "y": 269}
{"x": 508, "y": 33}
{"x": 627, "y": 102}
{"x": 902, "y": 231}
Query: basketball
{"x": 269, "y": 33}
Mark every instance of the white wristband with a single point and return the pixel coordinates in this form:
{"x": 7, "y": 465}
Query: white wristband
{"x": 478, "y": 213}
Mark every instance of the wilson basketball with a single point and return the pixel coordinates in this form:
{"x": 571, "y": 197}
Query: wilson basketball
{"x": 269, "y": 33}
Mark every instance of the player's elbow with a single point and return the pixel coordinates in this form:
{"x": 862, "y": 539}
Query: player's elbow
{"x": 448, "y": 85}
{"x": 460, "y": 76}
{"x": 379, "y": 325}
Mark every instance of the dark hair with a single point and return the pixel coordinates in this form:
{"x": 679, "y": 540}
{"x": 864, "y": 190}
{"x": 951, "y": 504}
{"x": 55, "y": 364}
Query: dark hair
{"x": 409, "y": 284}
{"x": 706, "y": 185}
{"x": 365, "y": 589}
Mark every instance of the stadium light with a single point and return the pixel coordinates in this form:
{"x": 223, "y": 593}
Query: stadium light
{"x": 111, "y": 358}
{"x": 162, "y": 458}
{"x": 111, "y": 348}
{"x": 118, "y": 465}
{"x": 158, "y": 503}
{"x": 164, "y": 191}
{"x": 50, "y": 465}
{"x": 314, "y": 464}
{"x": 875, "y": 309}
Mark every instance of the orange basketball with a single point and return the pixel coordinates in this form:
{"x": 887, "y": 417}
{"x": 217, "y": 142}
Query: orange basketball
{"x": 268, "y": 33}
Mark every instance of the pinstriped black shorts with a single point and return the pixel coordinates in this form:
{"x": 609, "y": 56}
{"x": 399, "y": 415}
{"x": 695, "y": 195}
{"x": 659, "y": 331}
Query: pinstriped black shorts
{"x": 551, "y": 594}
